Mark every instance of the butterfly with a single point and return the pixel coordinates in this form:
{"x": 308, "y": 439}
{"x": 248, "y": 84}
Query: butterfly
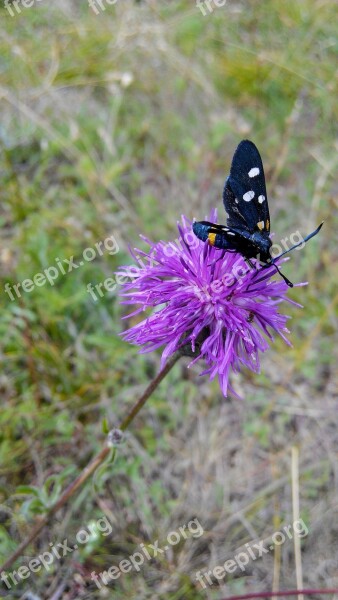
{"x": 245, "y": 200}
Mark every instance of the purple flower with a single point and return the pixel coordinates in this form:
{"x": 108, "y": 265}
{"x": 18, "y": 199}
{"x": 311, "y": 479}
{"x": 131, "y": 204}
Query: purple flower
{"x": 205, "y": 300}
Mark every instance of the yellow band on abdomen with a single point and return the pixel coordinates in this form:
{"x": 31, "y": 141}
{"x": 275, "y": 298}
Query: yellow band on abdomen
{"x": 212, "y": 238}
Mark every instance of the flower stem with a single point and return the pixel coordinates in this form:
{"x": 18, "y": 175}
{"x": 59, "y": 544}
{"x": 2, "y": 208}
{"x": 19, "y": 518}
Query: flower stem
{"x": 92, "y": 465}
{"x": 151, "y": 387}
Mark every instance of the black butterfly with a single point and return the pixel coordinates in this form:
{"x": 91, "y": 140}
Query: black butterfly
{"x": 246, "y": 203}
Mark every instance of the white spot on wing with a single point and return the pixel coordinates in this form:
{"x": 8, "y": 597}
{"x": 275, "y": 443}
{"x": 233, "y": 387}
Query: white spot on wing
{"x": 231, "y": 233}
{"x": 261, "y": 199}
{"x": 248, "y": 196}
{"x": 254, "y": 172}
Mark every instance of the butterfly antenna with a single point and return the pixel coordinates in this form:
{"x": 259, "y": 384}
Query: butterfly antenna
{"x": 308, "y": 237}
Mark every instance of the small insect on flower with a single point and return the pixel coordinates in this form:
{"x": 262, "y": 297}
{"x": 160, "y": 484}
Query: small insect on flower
{"x": 207, "y": 303}
{"x": 245, "y": 200}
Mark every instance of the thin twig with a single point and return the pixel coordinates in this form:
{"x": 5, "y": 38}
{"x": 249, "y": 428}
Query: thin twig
{"x": 295, "y": 510}
{"x": 261, "y": 595}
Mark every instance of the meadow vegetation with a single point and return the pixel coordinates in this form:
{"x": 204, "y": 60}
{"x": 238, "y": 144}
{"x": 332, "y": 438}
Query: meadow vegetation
{"x": 116, "y": 124}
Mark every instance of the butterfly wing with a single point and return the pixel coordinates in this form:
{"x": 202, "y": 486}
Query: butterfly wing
{"x": 244, "y": 196}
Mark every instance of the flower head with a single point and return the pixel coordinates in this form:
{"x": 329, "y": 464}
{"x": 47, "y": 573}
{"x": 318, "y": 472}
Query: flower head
{"x": 208, "y": 301}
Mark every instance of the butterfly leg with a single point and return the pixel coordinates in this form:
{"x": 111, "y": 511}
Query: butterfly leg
{"x": 273, "y": 264}
{"x": 250, "y": 263}
{"x": 287, "y": 281}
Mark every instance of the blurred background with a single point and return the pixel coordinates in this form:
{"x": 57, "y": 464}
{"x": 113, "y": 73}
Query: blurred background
{"x": 116, "y": 118}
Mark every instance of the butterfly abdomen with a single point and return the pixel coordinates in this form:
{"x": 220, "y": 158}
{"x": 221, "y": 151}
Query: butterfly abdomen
{"x": 201, "y": 230}
{"x": 204, "y": 231}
